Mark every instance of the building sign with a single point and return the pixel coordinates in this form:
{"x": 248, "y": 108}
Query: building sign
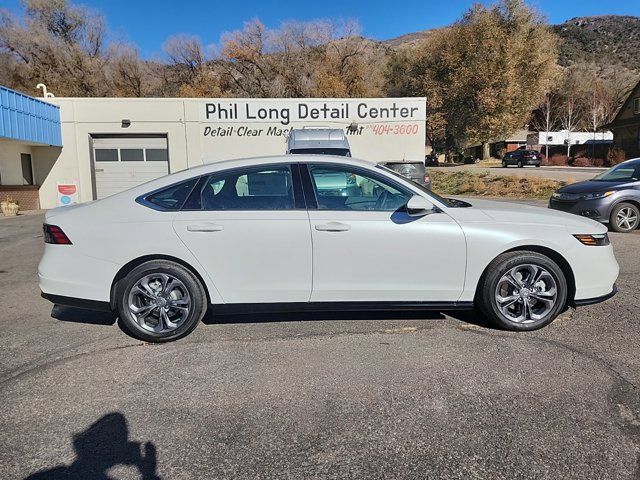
{"x": 378, "y": 129}
{"x": 67, "y": 193}
{"x": 287, "y": 111}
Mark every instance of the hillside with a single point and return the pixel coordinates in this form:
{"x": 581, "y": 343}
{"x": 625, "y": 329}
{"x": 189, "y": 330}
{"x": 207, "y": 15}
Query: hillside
{"x": 612, "y": 42}
{"x": 603, "y": 40}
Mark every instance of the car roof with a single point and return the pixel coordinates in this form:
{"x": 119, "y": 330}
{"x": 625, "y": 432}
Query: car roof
{"x": 214, "y": 166}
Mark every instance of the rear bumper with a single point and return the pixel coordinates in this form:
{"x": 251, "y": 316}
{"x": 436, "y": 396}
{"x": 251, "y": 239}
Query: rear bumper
{"x": 77, "y": 302}
{"x": 594, "y": 300}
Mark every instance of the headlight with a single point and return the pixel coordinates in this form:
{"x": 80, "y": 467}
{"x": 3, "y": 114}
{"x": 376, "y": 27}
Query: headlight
{"x": 592, "y": 196}
{"x": 556, "y": 195}
{"x": 594, "y": 240}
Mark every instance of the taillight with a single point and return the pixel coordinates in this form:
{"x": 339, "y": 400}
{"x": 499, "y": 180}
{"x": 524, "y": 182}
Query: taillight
{"x": 427, "y": 179}
{"x": 54, "y": 234}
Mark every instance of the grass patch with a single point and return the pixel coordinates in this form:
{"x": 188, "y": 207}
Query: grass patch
{"x": 483, "y": 184}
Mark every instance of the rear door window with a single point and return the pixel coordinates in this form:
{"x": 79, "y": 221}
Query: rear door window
{"x": 256, "y": 188}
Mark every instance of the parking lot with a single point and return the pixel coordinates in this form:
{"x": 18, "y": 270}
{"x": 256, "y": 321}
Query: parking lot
{"x": 389, "y": 395}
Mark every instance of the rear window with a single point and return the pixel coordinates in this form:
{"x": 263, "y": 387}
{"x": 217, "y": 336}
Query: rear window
{"x": 173, "y": 197}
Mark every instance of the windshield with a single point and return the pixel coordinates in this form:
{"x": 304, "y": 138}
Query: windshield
{"x": 629, "y": 172}
{"x": 445, "y": 201}
{"x": 343, "y": 152}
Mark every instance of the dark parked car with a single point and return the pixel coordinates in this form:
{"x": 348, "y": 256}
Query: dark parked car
{"x": 612, "y": 197}
{"x": 522, "y": 158}
{"x": 431, "y": 160}
{"x": 412, "y": 170}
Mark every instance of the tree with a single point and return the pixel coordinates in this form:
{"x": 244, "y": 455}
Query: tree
{"x": 58, "y": 44}
{"x": 545, "y": 117}
{"x": 570, "y": 117}
{"x": 300, "y": 59}
{"x": 490, "y": 69}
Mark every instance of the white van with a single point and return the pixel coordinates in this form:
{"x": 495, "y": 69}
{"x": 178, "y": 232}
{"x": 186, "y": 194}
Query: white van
{"x": 318, "y": 141}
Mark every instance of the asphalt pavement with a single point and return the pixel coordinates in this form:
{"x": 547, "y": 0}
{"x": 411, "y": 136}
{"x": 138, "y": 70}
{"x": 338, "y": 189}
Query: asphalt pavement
{"x": 392, "y": 395}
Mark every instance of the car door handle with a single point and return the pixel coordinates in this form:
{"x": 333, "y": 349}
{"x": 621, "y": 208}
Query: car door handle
{"x": 333, "y": 227}
{"x": 204, "y": 227}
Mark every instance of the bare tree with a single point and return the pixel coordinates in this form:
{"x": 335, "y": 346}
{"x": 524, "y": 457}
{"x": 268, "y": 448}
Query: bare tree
{"x": 544, "y": 118}
{"x": 570, "y": 117}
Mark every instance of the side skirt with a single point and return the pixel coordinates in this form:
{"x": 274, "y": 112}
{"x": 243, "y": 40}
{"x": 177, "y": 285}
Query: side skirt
{"x": 240, "y": 308}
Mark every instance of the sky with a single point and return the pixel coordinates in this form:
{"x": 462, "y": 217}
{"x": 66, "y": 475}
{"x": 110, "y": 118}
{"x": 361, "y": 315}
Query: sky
{"x": 148, "y": 23}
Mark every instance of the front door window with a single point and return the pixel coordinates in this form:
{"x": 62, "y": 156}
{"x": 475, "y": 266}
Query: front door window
{"x": 339, "y": 188}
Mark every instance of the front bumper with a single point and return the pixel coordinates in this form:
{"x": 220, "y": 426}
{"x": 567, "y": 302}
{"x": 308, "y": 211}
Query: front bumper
{"x": 597, "y": 209}
{"x": 594, "y": 300}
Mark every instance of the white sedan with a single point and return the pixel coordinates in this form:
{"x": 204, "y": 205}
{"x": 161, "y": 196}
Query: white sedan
{"x": 316, "y": 232}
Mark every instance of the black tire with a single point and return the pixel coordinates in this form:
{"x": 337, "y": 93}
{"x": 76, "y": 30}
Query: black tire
{"x": 520, "y": 164}
{"x": 613, "y": 219}
{"x": 197, "y": 300}
{"x": 538, "y": 165}
{"x": 485, "y": 295}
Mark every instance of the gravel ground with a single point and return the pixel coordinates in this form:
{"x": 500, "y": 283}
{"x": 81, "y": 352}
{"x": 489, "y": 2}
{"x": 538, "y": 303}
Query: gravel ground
{"x": 393, "y": 395}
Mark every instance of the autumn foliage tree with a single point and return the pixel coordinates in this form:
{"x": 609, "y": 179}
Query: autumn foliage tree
{"x": 300, "y": 59}
{"x": 487, "y": 71}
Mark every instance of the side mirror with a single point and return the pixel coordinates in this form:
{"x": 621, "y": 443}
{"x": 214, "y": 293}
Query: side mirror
{"x": 418, "y": 206}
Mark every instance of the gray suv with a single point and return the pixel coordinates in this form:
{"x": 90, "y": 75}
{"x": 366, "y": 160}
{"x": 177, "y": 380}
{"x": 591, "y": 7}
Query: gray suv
{"x": 612, "y": 197}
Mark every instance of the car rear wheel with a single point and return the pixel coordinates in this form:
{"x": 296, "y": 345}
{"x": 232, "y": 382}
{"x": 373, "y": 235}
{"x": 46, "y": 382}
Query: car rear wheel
{"x": 522, "y": 291}
{"x": 160, "y": 301}
{"x": 624, "y": 218}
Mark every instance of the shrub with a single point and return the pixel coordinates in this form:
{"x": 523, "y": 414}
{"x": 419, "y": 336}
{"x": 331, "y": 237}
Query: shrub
{"x": 615, "y": 155}
{"x": 587, "y": 162}
{"x": 556, "y": 160}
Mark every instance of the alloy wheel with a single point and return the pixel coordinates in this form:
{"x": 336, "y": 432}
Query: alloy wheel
{"x": 627, "y": 218}
{"x": 159, "y": 302}
{"x": 526, "y": 293}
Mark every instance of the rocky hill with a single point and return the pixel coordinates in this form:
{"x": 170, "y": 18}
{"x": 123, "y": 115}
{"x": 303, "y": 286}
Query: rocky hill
{"x": 609, "y": 41}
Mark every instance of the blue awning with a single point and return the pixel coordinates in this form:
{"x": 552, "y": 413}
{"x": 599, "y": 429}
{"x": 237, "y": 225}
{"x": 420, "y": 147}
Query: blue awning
{"x": 29, "y": 119}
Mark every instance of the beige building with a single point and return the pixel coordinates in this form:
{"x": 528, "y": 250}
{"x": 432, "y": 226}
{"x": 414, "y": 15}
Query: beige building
{"x": 111, "y": 144}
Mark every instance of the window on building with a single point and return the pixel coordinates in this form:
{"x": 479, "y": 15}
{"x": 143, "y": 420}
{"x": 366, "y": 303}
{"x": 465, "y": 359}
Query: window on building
{"x": 157, "y": 154}
{"x": 106, "y": 154}
{"x": 636, "y": 105}
{"x": 27, "y": 169}
{"x": 131, "y": 155}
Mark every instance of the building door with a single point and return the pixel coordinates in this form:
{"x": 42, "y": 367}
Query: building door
{"x": 125, "y": 161}
{"x": 27, "y": 169}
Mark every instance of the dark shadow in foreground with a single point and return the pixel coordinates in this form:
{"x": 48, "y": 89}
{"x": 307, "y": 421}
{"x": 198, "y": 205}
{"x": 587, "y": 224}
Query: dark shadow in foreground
{"x": 466, "y": 316}
{"x": 100, "y": 447}
{"x": 80, "y": 315}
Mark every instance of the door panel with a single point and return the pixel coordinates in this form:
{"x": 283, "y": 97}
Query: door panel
{"x": 367, "y": 248}
{"x": 385, "y": 256}
{"x": 252, "y": 257}
{"x": 247, "y": 227}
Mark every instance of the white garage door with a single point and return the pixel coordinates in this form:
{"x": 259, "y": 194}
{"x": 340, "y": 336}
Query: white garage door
{"x": 124, "y": 162}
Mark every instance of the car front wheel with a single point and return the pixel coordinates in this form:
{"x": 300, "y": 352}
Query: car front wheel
{"x": 522, "y": 291}
{"x": 624, "y": 218}
{"x": 160, "y": 301}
